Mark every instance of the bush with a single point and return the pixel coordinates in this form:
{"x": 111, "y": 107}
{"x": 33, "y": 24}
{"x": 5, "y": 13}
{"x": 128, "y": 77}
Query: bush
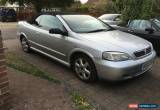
{"x": 136, "y": 9}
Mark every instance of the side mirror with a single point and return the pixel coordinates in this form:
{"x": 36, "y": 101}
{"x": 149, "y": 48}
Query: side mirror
{"x": 149, "y": 30}
{"x": 57, "y": 31}
{"x": 36, "y": 23}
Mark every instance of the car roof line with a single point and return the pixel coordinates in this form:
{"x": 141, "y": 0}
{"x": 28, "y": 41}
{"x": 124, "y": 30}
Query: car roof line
{"x": 61, "y": 13}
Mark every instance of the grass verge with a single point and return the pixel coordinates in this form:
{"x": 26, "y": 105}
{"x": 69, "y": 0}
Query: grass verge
{"x": 80, "y": 102}
{"x": 20, "y": 64}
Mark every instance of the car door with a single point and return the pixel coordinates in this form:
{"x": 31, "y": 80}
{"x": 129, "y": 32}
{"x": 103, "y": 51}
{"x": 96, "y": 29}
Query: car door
{"x": 32, "y": 29}
{"x": 52, "y": 44}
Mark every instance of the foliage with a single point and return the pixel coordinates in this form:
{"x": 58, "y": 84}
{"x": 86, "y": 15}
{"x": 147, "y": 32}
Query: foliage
{"x": 2, "y": 2}
{"x": 93, "y": 8}
{"x": 100, "y": 6}
{"x": 146, "y": 9}
{"x": 78, "y": 7}
{"x": 136, "y": 9}
{"x": 39, "y": 4}
{"x": 118, "y": 5}
{"x": 80, "y": 102}
{"x": 156, "y": 8}
{"x": 132, "y": 10}
{"x": 83, "y": 8}
{"x": 110, "y": 8}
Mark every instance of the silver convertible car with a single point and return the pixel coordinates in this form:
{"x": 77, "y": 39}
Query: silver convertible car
{"x": 90, "y": 47}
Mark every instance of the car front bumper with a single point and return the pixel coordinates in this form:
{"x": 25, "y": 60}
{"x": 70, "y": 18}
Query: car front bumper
{"x": 125, "y": 69}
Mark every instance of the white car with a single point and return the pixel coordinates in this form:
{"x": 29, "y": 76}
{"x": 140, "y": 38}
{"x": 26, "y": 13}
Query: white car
{"x": 111, "y": 19}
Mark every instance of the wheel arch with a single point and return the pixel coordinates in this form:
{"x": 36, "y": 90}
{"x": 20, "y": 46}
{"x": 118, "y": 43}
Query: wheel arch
{"x": 79, "y": 51}
{"x": 90, "y": 56}
{"x": 22, "y": 35}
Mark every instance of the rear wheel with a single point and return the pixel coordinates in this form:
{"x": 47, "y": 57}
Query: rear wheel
{"x": 84, "y": 68}
{"x": 25, "y": 45}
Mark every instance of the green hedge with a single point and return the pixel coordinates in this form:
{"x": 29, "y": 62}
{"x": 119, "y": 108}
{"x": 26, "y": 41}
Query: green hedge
{"x": 136, "y": 9}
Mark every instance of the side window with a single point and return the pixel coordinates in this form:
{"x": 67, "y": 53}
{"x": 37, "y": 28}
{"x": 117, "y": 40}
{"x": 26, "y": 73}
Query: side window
{"x": 145, "y": 24}
{"x": 134, "y": 24}
{"x": 140, "y": 24}
{"x": 50, "y": 21}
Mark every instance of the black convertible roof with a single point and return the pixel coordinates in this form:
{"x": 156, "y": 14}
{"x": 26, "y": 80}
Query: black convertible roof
{"x": 60, "y": 13}
{"x": 54, "y": 14}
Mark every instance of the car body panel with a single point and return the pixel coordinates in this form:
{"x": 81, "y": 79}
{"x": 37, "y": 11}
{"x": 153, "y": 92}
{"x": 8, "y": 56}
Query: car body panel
{"x": 124, "y": 70}
{"x": 117, "y": 40}
{"x": 112, "y": 23}
{"x": 110, "y": 19}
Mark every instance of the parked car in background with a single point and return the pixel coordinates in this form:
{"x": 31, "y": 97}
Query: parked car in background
{"x": 147, "y": 29}
{"x": 111, "y": 19}
{"x": 90, "y": 47}
{"x": 7, "y": 15}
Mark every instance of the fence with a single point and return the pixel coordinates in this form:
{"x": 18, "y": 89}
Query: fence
{"x": 23, "y": 13}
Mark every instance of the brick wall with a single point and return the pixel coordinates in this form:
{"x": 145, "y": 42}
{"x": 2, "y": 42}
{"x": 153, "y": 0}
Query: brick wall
{"x": 4, "y": 83}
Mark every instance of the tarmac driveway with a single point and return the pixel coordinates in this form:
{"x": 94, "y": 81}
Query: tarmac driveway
{"x": 102, "y": 94}
{"x": 9, "y": 30}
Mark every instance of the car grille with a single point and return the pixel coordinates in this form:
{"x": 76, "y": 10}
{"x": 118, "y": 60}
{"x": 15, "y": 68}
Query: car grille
{"x": 143, "y": 52}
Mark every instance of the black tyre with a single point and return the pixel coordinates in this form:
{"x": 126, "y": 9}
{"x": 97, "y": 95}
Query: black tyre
{"x": 84, "y": 68}
{"x": 25, "y": 45}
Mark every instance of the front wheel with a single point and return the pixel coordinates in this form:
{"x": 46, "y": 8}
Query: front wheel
{"x": 84, "y": 68}
{"x": 25, "y": 45}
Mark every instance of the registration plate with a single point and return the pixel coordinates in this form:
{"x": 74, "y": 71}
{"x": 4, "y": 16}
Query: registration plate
{"x": 147, "y": 65}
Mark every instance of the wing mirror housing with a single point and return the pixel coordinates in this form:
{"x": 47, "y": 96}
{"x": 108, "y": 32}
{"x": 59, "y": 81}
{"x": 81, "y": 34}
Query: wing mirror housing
{"x": 149, "y": 30}
{"x": 36, "y": 23}
{"x": 57, "y": 31}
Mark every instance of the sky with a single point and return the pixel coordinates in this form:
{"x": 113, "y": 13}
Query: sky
{"x": 83, "y": 1}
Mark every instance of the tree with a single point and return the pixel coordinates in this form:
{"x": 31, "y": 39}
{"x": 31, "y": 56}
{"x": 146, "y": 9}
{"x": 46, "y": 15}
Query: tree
{"x": 2, "y": 2}
{"x": 137, "y": 9}
{"x": 131, "y": 10}
{"x": 146, "y": 10}
{"x": 39, "y": 4}
{"x": 119, "y": 5}
{"x": 156, "y": 8}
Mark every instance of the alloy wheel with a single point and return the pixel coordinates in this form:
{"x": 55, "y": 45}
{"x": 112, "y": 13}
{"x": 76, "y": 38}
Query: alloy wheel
{"x": 82, "y": 68}
{"x": 25, "y": 45}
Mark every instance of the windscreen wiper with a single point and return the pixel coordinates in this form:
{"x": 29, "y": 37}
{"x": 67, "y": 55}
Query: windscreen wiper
{"x": 98, "y": 30}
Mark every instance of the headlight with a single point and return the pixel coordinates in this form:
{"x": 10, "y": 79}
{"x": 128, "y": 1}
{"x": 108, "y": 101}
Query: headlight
{"x": 115, "y": 56}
